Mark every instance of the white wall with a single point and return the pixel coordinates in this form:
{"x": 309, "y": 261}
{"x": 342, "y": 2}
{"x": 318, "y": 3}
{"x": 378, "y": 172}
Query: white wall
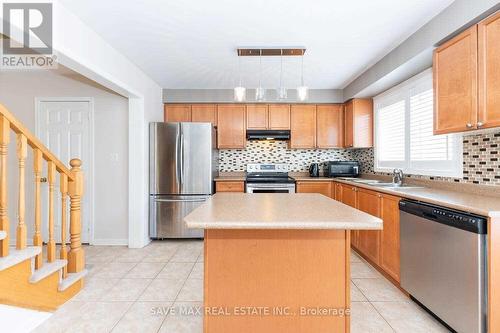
{"x": 227, "y": 96}
{"x": 81, "y": 49}
{"x": 415, "y": 53}
{"x": 18, "y": 91}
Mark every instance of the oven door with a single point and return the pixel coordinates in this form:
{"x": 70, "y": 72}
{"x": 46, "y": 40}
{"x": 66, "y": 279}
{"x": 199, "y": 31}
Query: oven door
{"x": 270, "y": 188}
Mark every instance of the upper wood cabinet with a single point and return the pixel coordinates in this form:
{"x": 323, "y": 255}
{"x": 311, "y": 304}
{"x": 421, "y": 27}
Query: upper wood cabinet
{"x": 303, "y": 126}
{"x": 257, "y": 116}
{"x": 359, "y": 123}
{"x": 467, "y": 79}
{"x": 369, "y": 240}
{"x": 272, "y": 116}
{"x": 177, "y": 112}
{"x": 489, "y": 72}
{"x": 279, "y": 116}
{"x": 330, "y": 126}
{"x": 324, "y": 188}
{"x": 231, "y": 127}
{"x": 389, "y": 248}
{"x": 455, "y": 83}
{"x": 204, "y": 113}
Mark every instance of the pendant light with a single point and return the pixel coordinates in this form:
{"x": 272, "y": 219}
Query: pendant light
{"x": 281, "y": 93}
{"x": 239, "y": 91}
{"x": 302, "y": 90}
{"x": 260, "y": 93}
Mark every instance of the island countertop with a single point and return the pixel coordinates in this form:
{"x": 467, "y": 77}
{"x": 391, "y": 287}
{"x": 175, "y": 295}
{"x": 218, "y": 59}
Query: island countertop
{"x": 278, "y": 211}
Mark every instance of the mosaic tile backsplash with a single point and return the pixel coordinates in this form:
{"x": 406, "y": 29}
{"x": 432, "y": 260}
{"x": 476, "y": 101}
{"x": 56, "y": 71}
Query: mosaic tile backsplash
{"x": 481, "y": 163}
{"x": 481, "y": 158}
{"x": 278, "y": 152}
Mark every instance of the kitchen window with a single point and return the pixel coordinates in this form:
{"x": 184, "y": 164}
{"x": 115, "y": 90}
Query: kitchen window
{"x": 404, "y": 132}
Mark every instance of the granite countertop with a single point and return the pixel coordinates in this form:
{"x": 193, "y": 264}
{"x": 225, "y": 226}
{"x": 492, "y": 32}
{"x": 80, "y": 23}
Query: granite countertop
{"x": 312, "y": 179}
{"x": 278, "y": 211}
{"x": 465, "y": 197}
{"x": 230, "y": 176}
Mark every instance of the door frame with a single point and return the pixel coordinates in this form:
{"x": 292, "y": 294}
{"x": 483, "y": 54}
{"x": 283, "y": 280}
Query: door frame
{"x": 90, "y": 170}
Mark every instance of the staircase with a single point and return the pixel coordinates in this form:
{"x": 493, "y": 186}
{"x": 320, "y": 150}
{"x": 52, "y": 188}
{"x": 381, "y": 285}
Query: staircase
{"x": 33, "y": 276}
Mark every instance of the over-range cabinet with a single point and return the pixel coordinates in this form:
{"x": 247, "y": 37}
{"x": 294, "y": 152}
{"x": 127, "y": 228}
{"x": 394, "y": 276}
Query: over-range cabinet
{"x": 182, "y": 167}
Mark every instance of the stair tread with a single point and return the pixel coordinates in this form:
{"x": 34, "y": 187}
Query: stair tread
{"x": 17, "y": 256}
{"x": 71, "y": 279}
{"x": 3, "y": 234}
{"x": 47, "y": 269}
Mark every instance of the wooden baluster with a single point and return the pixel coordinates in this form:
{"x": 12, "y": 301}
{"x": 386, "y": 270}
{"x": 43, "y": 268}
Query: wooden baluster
{"x": 4, "y": 218}
{"x": 76, "y": 257}
{"x": 37, "y": 236}
{"x": 64, "y": 194}
{"x": 22, "y": 153}
{"x": 51, "y": 244}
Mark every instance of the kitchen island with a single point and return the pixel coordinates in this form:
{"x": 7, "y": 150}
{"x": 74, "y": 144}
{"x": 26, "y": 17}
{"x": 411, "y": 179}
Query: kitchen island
{"x": 277, "y": 262}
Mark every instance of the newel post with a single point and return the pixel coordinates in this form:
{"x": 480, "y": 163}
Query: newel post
{"x": 4, "y": 217}
{"x": 76, "y": 257}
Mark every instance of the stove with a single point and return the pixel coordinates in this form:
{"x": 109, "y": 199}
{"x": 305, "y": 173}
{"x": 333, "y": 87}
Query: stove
{"x": 269, "y": 178}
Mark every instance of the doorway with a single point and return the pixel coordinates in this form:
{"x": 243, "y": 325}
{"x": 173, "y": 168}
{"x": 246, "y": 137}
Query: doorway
{"x": 66, "y": 127}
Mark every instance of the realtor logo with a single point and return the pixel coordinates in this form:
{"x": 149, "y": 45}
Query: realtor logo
{"x": 28, "y": 41}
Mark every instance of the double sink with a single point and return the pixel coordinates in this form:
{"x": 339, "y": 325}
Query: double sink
{"x": 378, "y": 183}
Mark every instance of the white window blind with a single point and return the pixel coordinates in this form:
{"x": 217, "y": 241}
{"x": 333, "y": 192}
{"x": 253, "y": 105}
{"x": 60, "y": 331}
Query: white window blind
{"x": 392, "y": 131}
{"x": 404, "y": 132}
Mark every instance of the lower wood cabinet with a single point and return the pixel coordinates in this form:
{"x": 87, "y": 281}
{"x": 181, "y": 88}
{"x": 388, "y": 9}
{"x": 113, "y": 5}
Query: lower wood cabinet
{"x": 324, "y": 188}
{"x": 381, "y": 247}
{"x": 389, "y": 247}
{"x": 348, "y": 195}
{"x": 337, "y": 191}
{"x": 369, "y": 240}
{"x": 230, "y": 186}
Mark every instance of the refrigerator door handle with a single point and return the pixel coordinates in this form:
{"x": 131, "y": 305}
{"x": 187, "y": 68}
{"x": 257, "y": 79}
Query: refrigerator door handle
{"x": 182, "y": 158}
{"x": 177, "y": 159}
{"x": 180, "y": 200}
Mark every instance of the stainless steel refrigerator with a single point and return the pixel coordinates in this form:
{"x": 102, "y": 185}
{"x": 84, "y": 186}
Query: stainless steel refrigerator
{"x": 182, "y": 166}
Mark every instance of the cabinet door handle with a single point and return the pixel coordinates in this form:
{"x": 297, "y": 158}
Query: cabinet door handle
{"x": 479, "y": 124}
{"x": 468, "y": 125}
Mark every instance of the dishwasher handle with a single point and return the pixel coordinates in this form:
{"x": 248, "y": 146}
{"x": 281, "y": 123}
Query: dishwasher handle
{"x": 453, "y": 218}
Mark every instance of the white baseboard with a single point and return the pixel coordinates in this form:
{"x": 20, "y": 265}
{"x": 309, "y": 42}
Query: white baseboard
{"x": 107, "y": 241}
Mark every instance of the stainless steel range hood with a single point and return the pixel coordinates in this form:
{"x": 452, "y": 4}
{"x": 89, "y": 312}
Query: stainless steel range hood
{"x": 268, "y": 134}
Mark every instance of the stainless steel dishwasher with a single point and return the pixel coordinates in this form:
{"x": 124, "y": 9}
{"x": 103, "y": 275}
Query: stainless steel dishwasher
{"x": 443, "y": 263}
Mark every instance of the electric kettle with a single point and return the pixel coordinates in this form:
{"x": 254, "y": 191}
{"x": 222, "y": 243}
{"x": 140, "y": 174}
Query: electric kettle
{"x": 314, "y": 170}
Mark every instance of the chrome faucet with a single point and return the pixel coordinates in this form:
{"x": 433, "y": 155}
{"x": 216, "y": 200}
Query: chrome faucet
{"x": 397, "y": 177}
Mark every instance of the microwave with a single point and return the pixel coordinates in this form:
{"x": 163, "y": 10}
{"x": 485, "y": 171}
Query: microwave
{"x": 342, "y": 169}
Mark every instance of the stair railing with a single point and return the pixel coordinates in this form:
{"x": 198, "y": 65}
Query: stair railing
{"x": 70, "y": 184}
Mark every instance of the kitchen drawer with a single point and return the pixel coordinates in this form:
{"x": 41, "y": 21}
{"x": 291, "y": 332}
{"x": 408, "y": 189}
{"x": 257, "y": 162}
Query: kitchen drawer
{"x": 225, "y": 186}
{"x": 320, "y": 187}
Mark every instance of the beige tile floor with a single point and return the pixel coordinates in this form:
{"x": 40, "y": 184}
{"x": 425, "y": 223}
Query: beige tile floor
{"x": 160, "y": 289}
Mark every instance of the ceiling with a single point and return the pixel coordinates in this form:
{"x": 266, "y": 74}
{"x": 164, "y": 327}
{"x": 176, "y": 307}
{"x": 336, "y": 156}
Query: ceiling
{"x": 191, "y": 44}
